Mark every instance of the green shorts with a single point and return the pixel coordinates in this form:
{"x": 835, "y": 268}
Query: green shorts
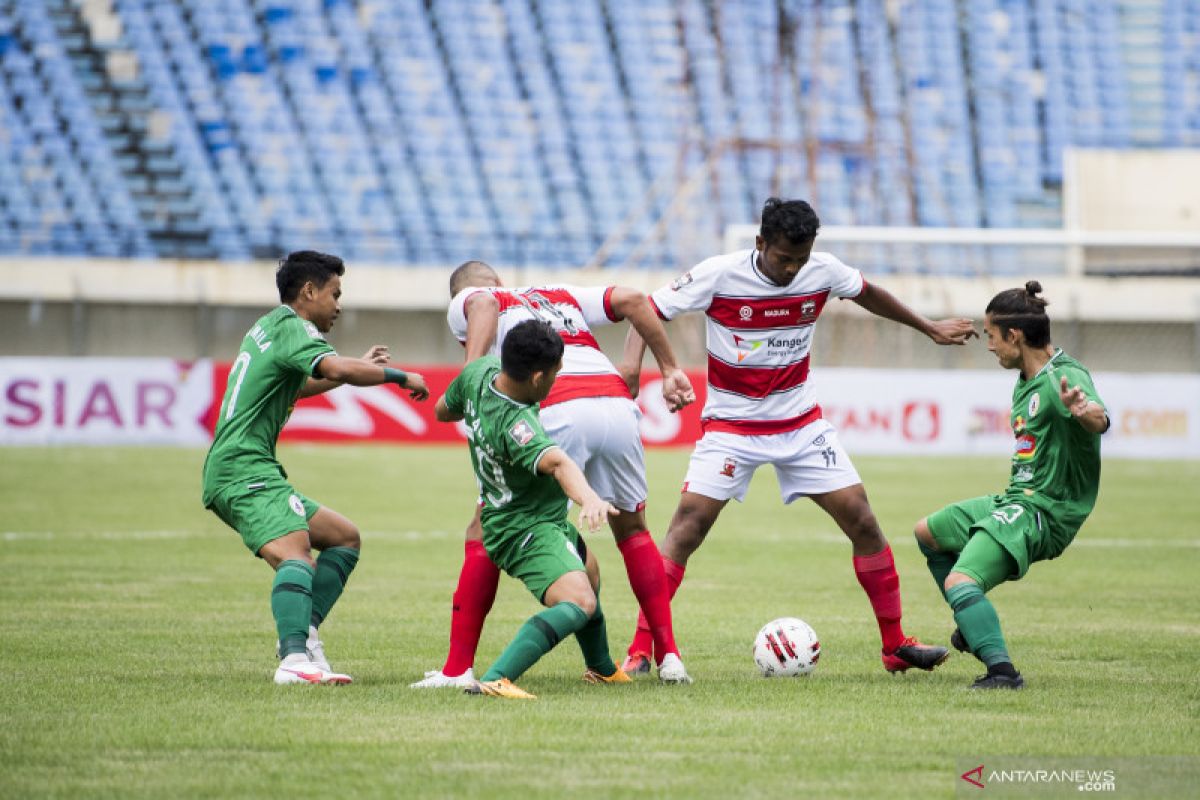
{"x": 263, "y": 510}
{"x": 545, "y": 553}
{"x": 1017, "y": 529}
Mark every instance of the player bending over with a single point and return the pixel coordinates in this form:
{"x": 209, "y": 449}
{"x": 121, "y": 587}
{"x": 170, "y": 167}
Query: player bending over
{"x": 285, "y": 357}
{"x": 1057, "y": 417}
{"x": 590, "y": 414}
{"x": 762, "y": 306}
{"x": 524, "y": 482}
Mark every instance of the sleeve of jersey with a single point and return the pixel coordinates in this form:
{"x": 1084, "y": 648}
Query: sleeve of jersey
{"x": 1082, "y": 379}
{"x": 454, "y": 393}
{"x": 456, "y": 314}
{"x": 302, "y": 347}
{"x": 691, "y": 291}
{"x": 595, "y": 303}
{"x": 845, "y": 281}
{"x": 526, "y": 441}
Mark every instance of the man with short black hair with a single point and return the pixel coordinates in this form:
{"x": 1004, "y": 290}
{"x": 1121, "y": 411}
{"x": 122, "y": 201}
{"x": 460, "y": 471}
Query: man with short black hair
{"x": 762, "y": 306}
{"x": 524, "y": 481}
{"x": 284, "y": 357}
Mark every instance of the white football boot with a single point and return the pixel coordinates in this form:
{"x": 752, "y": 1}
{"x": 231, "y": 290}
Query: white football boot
{"x": 314, "y": 647}
{"x": 671, "y": 670}
{"x": 316, "y": 650}
{"x": 296, "y": 668}
{"x": 436, "y": 679}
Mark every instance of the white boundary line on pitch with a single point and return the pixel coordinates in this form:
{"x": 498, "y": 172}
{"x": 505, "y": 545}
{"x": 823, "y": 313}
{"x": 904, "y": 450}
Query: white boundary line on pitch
{"x": 78, "y": 536}
{"x": 799, "y": 537}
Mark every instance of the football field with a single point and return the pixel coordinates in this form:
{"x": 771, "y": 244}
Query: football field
{"x": 137, "y": 647}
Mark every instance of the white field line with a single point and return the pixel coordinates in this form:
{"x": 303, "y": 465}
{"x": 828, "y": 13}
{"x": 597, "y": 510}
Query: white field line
{"x": 797, "y": 536}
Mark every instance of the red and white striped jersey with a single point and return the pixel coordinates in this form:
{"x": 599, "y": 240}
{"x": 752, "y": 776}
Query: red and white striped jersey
{"x": 759, "y": 337}
{"x": 572, "y": 311}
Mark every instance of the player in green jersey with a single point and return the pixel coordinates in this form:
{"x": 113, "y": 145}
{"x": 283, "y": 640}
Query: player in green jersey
{"x": 524, "y": 482}
{"x": 1057, "y": 418}
{"x": 285, "y": 357}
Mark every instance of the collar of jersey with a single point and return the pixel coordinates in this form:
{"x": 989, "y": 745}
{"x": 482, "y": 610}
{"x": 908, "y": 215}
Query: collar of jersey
{"x": 289, "y": 308}
{"x": 1045, "y": 367}
{"x": 758, "y": 273}
{"x": 499, "y": 393}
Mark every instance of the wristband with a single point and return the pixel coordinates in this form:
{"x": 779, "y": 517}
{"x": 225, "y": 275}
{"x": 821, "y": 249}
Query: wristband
{"x": 396, "y": 376}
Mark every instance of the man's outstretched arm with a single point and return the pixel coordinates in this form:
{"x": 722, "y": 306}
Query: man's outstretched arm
{"x": 646, "y": 330}
{"x": 882, "y": 303}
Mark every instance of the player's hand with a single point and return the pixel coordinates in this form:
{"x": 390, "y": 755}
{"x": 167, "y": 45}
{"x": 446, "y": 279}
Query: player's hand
{"x": 378, "y": 355}
{"x": 633, "y": 378}
{"x": 677, "y": 390}
{"x": 595, "y": 512}
{"x": 415, "y": 384}
{"x": 1073, "y": 398}
{"x": 953, "y": 331}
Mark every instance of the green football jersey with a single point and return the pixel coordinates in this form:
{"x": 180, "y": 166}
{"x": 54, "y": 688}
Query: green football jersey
{"x": 506, "y": 441}
{"x": 278, "y": 356}
{"x": 1056, "y": 463}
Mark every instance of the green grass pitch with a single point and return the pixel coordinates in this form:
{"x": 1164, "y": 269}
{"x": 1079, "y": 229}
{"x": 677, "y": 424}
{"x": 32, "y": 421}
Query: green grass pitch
{"x": 136, "y": 644}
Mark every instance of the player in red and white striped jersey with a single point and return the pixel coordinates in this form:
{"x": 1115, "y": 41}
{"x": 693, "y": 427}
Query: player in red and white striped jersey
{"x": 590, "y": 413}
{"x": 761, "y": 307}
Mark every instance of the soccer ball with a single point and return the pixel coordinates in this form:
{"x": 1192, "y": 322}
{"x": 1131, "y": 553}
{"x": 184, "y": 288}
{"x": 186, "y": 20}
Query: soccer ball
{"x": 786, "y": 647}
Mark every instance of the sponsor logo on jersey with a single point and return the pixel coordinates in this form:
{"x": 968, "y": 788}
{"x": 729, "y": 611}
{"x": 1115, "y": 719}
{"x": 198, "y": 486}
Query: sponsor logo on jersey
{"x": 296, "y": 505}
{"x": 1018, "y": 424}
{"x": 727, "y": 469}
{"x": 745, "y": 312}
{"x": 776, "y": 345}
{"x": 776, "y": 312}
{"x": 521, "y": 433}
{"x": 682, "y": 281}
{"x": 745, "y": 347}
{"x": 1035, "y": 403}
{"x": 1023, "y": 473}
{"x": 1026, "y": 446}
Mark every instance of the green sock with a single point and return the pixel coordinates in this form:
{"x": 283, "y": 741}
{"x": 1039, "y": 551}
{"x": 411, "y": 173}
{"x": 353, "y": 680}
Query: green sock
{"x": 593, "y": 641}
{"x": 940, "y": 563}
{"x": 536, "y": 637}
{"x": 979, "y": 623}
{"x": 334, "y": 566}
{"x": 291, "y": 604}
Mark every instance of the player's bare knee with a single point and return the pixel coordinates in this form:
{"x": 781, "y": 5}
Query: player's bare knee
{"x": 584, "y": 597}
{"x": 351, "y": 537}
{"x": 924, "y": 536}
{"x": 956, "y": 579}
{"x": 863, "y": 528}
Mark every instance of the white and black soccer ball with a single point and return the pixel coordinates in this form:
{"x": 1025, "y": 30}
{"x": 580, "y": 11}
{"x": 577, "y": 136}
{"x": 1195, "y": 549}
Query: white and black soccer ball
{"x": 786, "y": 647}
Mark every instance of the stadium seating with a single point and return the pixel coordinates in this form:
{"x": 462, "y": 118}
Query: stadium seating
{"x": 532, "y": 132}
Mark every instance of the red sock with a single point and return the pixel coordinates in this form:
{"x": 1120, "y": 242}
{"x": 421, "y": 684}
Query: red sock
{"x": 648, "y": 579}
{"x": 472, "y": 601}
{"x": 877, "y": 575}
{"x": 643, "y": 640}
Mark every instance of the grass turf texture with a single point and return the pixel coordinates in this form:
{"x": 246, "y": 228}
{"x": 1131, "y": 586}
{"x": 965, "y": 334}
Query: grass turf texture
{"x": 137, "y": 644}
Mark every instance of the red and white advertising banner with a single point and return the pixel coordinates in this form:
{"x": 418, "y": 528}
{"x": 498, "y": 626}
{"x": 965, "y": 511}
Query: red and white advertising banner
{"x": 104, "y": 401}
{"x": 908, "y": 412}
{"x": 895, "y": 412}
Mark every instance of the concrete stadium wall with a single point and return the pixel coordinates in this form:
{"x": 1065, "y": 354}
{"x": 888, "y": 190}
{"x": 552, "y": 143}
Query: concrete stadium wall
{"x": 195, "y": 310}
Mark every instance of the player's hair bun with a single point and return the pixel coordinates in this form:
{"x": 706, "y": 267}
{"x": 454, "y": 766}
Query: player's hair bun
{"x": 1037, "y": 305}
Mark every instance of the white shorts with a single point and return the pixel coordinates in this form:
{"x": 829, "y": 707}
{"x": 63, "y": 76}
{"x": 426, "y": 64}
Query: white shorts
{"x": 601, "y": 435}
{"x": 807, "y": 461}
